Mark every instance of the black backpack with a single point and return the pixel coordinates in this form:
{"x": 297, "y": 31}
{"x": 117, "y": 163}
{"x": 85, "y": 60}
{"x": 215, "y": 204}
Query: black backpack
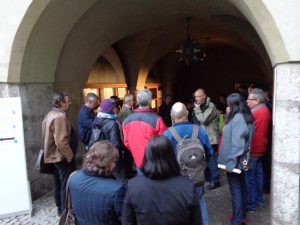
{"x": 190, "y": 156}
{"x": 97, "y": 134}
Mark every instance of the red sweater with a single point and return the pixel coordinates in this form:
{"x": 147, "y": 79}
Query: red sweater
{"x": 138, "y": 128}
{"x": 262, "y": 119}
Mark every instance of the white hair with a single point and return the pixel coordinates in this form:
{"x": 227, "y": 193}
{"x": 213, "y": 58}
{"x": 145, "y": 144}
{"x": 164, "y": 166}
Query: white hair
{"x": 179, "y": 111}
{"x": 144, "y": 97}
{"x": 91, "y": 97}
{"x": 128, "y": 97}
{"x": 258, "y": 94}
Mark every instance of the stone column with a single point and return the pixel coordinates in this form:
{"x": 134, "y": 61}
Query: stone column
{"x": 286, "y": 145}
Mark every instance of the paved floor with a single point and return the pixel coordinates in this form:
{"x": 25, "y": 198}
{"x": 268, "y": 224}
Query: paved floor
{"x": 218, "y": 203}
{"x": 218, "y": 206}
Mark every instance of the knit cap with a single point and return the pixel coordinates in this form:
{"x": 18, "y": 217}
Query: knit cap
{"x": 107, "y": 105}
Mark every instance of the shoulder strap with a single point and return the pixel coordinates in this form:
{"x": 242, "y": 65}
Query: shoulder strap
{"x": 195, "y": 132}
{"x": 175, "y": 134}
{"x": 68, "y": 202}
{"x": 43, "y": 136}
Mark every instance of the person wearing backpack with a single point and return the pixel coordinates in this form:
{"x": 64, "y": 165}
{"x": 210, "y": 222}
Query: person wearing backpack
{"x": 190, "y": 143}
{"x": 105, "y": 127}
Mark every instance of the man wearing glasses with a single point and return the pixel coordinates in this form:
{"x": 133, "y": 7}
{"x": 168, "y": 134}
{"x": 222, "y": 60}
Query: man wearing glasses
{"x": 254, "y": 176}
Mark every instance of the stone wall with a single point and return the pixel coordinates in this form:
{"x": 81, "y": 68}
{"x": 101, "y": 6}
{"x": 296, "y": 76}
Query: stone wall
{"x": 36, "y": 102}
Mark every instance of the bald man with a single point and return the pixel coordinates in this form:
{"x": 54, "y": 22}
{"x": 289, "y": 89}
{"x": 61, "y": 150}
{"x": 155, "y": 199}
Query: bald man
{"x": 205, "y": 114}
{"x": 183, "y": 127}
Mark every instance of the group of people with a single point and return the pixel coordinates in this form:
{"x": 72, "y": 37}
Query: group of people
{"x": 132, "y": 174}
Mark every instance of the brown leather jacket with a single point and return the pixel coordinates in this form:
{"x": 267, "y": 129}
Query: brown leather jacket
{"x": 57, "y": 132}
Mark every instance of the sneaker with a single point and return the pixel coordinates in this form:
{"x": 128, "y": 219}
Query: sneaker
{"x": 251, "y": 211}
{"x": 59, "y": 213}
{"x": 260, "y": 205}
{"x": 244, "y": 221}
{"x": 212, "y": 186}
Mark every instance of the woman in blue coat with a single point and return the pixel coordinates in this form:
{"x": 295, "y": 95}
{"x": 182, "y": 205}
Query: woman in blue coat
{"x": 96, "y": 196}
{"x": 236, "y": 139}
{"x": 161, "y": 195}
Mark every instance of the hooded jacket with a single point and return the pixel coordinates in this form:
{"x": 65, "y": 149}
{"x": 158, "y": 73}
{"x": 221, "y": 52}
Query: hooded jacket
{"x": 207, "y": 116}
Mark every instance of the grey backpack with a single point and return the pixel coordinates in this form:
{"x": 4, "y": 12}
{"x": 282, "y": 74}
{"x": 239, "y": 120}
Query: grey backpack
{"x": 190, "y": 156}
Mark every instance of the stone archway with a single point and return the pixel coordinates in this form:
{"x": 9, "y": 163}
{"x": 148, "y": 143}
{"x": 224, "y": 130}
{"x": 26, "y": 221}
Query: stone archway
{"x": 58, "y": 41}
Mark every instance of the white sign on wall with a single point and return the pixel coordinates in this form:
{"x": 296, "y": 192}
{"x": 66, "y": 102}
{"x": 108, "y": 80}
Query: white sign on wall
{"x": 15, "y": 197}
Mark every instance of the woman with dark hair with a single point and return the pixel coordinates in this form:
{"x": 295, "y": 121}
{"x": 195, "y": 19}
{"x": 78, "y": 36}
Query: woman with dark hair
{"x": 96, "y": 196}
{"x": 236, "y": 139}
{"x": 160, "y": 195}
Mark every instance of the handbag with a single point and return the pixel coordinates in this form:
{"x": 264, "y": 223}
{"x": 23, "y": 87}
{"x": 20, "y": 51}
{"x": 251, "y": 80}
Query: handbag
{"x": 243, "y": 160}
{"x": 40, "y": 165}
{"x": 68, "y": 217}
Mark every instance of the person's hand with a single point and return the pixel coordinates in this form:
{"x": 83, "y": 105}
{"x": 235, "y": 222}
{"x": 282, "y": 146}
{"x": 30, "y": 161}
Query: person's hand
{"x": 196, "y": 105}
{"x": 99, "y": 110}
{"x": 228, "y": 110}
{"x": 227, "y": 171}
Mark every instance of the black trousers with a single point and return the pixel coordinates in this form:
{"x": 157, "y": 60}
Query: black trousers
{"x": 62, "y": 172}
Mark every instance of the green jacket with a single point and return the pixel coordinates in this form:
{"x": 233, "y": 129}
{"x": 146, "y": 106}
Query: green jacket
{"x": 125, "y": 111}
{"x": 207, "y": 117}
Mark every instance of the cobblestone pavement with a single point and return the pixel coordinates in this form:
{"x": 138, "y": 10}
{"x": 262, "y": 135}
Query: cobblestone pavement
{"x": 218, "y": 205}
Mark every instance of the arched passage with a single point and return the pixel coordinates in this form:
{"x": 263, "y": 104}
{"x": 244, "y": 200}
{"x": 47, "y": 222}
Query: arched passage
{"x": 28, "y": 58}
{"x": 58, "y": 41}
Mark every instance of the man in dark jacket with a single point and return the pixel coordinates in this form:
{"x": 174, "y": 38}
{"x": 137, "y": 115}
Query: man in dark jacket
{"x": 165, "y": 110}
{"x": 86, "y": 117}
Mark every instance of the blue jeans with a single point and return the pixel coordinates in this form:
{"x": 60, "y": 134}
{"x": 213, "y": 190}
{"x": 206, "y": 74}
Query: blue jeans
{"x": 200, "y": 193}
{"x": 139, "y": 172}
{"x": 237, "y": 186}
{"x": 255, "y": 183}
{"x": 212, "y": 172}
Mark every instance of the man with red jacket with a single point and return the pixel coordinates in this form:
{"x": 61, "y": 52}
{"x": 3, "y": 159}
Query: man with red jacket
{"x": 254, "y": 176}
{"x": 140, "y": 126}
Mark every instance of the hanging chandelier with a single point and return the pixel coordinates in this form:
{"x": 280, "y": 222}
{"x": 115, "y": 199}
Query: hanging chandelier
{"x": 189, "y": 50}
